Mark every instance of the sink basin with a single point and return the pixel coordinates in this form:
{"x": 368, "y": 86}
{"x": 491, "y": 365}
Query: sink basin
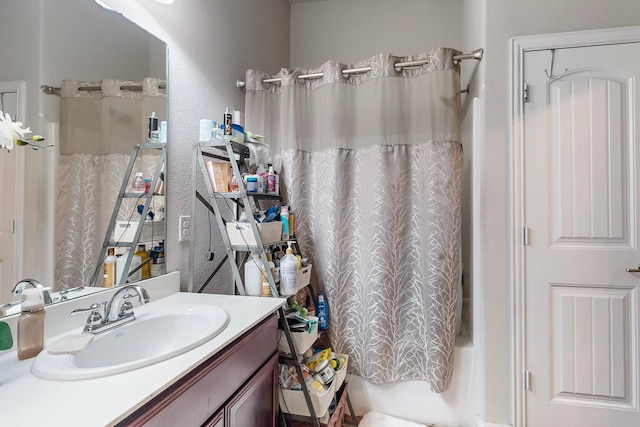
{"x": 154, "y": 336}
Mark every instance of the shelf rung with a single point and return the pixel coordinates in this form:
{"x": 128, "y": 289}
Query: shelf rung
{"x": 120, "y": 244}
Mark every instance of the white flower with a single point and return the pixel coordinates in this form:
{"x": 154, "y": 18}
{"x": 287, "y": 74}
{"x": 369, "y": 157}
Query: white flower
{"x": 10, "y": 131}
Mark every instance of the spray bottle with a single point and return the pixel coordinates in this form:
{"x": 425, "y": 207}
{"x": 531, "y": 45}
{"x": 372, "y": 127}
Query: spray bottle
{"x": 289, "y": 273}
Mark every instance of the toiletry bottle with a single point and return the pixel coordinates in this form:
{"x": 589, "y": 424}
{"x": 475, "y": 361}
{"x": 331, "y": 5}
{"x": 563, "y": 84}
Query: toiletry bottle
{"x": 145, "y": 271}
{"x": 137, "y": 186}
{"x": 110, "y": 268}
{"x": 289, "y": 273}
{"x": 271, "y": 181}
{"x": 227, "y": 122}
{"x": 291, "y": 223}
{"x": 154, "y": 133}
{"x": 262, "y": 179}
{"x": 266, "y": 288}
{"x": 284, "y": 218}
{"x": 31, "y": 324}
{"x": 322, "y": 312}
{"x": 253, "y": 275}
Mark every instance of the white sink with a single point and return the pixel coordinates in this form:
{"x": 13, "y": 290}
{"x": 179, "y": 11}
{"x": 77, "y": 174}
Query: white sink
{"x": 154, "y": 336}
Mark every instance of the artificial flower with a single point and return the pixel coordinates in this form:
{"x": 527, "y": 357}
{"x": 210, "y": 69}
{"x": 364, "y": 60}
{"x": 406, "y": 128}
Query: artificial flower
{"x": 14, "y": 133}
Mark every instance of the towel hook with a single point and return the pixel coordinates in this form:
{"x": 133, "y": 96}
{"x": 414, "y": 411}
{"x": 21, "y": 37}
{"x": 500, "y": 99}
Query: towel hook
{"x": 550, "y": 73}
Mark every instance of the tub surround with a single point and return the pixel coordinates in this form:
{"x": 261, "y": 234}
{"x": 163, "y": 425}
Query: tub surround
{"x": 109, "y": 400}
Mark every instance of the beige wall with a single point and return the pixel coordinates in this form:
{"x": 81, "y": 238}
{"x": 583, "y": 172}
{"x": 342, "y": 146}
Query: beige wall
{"x": 350, "y": 31}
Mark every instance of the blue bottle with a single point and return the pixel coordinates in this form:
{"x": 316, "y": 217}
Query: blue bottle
{"x": 322, "y": 312}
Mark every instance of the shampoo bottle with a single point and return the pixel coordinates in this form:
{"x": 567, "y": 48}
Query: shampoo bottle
{"x": 284, "y": 218}
{"x": 145, "y": 271}
{"x": 322, "y": 312}
{"x": 289, "y": 273}
{"x": 31, "y": 324}
{"x": 154, "y": 132}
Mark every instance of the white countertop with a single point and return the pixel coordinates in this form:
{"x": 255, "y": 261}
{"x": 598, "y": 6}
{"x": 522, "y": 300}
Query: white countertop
{"x": 26, "y": 400}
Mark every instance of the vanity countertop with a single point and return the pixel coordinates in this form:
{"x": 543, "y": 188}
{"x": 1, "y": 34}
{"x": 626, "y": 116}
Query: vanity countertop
{"x": 27, "y": 400}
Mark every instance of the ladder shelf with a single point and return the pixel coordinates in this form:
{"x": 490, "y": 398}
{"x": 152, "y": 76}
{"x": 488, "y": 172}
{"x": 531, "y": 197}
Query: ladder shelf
{"x": 231, "y": 152}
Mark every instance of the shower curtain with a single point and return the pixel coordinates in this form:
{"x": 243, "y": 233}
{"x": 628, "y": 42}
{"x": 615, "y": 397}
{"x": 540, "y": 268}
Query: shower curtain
{"x": 371, "y": 165}
{"x": 98, "y": 131}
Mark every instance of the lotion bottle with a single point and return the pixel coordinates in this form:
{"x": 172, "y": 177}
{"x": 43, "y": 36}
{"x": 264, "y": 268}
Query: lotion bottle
{"x": 31, "y": 324}
{"x": 289, "y": 273}
{"x": 253, "y": 276}
{"x": 110, "y": 268}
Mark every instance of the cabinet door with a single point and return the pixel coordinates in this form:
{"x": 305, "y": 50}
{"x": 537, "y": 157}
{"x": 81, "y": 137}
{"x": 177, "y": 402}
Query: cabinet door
{"x": 217, "y": 420}
{"x": 256, "y": 403}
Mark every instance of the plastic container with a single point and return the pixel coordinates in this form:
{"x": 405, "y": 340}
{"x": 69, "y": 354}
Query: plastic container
{"x": 322, "y": 312}
{"x": 253, "y": 276}
{"x": 109, "y": 268}
{"x": 137, "y": 185}
{"x": 252, "y": 184}
{"x": 31, "y": 324}
{"x": 284, "y": 218}
{"x": 271, "y": 181}
{"x": 289, "y": 273}
{"x": 145, "y": 271}
{"x": 154, "y": 133}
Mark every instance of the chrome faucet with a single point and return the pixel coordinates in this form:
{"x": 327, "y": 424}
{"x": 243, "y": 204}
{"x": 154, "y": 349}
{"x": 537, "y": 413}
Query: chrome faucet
{"x": 118, "y": 311}
{"x": 25, "y": 283}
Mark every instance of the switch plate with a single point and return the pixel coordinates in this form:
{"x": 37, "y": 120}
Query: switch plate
{"x": 184, "y": 228}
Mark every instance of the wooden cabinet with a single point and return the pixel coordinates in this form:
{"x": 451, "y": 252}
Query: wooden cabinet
{"x": 237, "y": 387}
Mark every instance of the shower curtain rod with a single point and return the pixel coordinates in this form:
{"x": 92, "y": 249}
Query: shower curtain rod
{"x": 50, "y": 90}
{"x": 476, "y": 54}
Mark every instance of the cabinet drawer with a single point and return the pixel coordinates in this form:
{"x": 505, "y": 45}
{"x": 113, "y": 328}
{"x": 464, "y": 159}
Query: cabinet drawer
{"x": 195, "y": 397}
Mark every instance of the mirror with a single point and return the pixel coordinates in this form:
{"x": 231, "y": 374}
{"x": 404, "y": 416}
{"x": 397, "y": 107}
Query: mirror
{"x": 63, "y": 40}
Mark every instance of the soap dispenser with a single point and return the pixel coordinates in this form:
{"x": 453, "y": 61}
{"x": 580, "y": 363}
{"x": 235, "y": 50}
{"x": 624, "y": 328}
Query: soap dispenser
{"x": 31, "y": 324}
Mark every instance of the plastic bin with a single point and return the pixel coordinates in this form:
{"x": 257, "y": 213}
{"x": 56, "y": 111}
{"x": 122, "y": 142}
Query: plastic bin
{"x": 125, "y": 231}
{"x": 293, "y": 401}
{"x": 301, "y": 340}
{"x": 240, "y": 233}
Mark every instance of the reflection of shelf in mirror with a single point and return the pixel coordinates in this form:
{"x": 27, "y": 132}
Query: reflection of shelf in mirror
{"x": 238, "y": 195}
{"x": 125, "y": 231}
{"x": 129, "y": 195}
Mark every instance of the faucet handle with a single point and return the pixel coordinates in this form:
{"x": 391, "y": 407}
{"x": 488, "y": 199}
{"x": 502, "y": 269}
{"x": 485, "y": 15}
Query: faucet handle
{"x": 127, "y": 306}
{"x": 95, "y": 318}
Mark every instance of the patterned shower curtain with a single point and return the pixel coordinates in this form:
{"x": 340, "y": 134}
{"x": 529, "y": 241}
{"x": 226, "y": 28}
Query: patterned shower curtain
{"x": 371, "y": 165}
{"x": 98, "y": 131}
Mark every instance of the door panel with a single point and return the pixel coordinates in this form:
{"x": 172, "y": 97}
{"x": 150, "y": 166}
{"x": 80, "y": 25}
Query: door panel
{"x": 580, "y": 205}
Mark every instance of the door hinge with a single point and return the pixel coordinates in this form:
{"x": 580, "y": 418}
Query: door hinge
{"x": 525, "y": 236}
{"x": 13, "y": 226}
{"x": 526, "y": 380}
{"x": 525, "y": 93}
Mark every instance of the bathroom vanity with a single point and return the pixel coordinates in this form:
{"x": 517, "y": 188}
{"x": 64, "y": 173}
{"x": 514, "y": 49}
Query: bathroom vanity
{"x": 230, "y": 380}
{"x": 236, "y": 387}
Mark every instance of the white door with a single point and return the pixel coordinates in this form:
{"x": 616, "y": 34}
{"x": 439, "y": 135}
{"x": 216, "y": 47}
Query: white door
{"x": 581, "y": 195}
{"x": 10, "y": 100}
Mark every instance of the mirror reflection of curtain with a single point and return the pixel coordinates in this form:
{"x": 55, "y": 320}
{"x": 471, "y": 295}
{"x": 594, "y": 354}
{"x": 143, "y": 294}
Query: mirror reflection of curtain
{"x": 372, "y": 168}
{"x": 98, "y": 131}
